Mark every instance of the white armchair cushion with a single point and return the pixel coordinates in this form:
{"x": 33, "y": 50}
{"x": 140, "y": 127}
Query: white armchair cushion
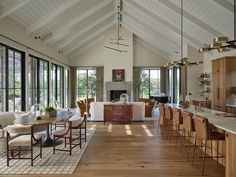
{"x": 2, "y": 133}
{"x": 7, "y": 118}
{"x": 23, "y": 140}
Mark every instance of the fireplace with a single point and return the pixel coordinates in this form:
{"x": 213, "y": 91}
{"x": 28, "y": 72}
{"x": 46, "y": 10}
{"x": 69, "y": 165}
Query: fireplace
{"x": 122, "y": 87}
{"x": 115, "y": 94}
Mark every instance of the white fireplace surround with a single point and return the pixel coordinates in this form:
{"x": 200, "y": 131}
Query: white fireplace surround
{"x": 117, "y": 86}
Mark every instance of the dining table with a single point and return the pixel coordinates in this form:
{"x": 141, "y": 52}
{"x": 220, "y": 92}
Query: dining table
{"x": 225, "y": 122}
{"x": 44, "y": 121}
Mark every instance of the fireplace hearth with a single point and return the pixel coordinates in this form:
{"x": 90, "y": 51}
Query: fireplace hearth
{"x": 115, "y": 94}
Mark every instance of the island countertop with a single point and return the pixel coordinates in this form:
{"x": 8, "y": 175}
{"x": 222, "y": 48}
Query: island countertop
{"x": 222, "y": 120}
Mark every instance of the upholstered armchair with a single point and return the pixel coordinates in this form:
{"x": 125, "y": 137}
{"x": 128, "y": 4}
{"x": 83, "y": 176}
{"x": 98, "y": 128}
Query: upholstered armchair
{"x": 25, "y": 138}
{"x": 6, "y": 118}
{"x": 149, "y": 108}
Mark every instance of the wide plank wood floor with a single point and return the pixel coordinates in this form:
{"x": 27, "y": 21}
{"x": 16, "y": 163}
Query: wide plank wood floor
{"x": 136, "y": 150}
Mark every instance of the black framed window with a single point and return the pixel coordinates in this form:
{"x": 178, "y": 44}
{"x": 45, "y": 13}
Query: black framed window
{"x": 58, "y": 86}
{"x": 38, "y": 81}
{"x": 150, "y": 83}
{"x": 12, "y": 79}
{"x": 174, "y": 84}
{"x": 86, "y": 83}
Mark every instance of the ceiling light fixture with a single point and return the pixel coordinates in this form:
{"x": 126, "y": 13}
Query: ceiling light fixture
{"x": 182, "y": 61}
{"x": 116, "y": 41}
{"x": 223, "y": 43}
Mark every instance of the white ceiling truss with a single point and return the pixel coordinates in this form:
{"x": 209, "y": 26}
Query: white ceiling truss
{"x": 72, "y": 26}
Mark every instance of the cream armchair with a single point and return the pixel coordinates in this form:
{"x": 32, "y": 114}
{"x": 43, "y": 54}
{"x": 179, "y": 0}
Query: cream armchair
{"x": 25, "y": 138}
{"x": 6, "y": 118}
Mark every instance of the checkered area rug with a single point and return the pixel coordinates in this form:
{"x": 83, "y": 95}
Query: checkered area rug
{"x": 58, "y": 163}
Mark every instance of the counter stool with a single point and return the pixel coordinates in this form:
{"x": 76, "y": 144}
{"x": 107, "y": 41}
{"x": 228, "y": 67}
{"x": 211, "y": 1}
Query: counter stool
{"x": 161, "y": 124}
{"x": 204, "y": 133}
{"x": 188, "y": 130}
{"x": 177, "y": 124}
{"x": 168, "y": 120}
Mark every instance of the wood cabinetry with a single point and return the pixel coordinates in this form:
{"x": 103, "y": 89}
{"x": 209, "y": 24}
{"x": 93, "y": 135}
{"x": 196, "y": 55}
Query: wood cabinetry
{"x": 222, "y": 73}
{"x": 118, "y": 113}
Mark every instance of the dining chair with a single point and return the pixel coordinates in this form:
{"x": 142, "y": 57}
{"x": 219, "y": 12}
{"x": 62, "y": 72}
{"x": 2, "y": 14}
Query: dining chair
{"x": 72, "y": 134}
{"x": 22, "y": 138}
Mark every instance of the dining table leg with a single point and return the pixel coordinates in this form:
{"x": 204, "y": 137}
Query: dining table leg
{"x": 48, "y": 141}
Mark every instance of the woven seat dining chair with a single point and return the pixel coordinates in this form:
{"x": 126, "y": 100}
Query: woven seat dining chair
{"x": 177, "y": 124}
{"x": 71, "y": 135}
{"x": 21, "y": 138}
{"x": 205, "y": 132}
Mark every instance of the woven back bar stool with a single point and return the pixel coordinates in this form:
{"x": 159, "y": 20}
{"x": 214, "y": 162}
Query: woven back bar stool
{"x": 177, "y": 123}
{"x": 188, "y": 130}
{"x": 205, "y": 133}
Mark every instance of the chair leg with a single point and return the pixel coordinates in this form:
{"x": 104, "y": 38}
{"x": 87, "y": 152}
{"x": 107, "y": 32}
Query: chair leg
{"x": 204, "y": 157}
{"x": 70, "y": 145}
{"x": 40, "y": 148}
{"x": 19, "y": 151}
{"x": 217, "y": 152}
{"x": 194, "y": 148}
{"x": 80, "y": 137}
{"x": 189, "y": 143}
{"x": 32, "y": 157}
{"x": 7, "y": 155}
{"x": 182, "y": 138}
{"x": 53, "y": 144}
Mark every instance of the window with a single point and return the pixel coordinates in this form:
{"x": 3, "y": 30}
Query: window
{"x": 86, "y": 83}
{"x": 12, "y": 82}
{"x": 150, "y": 83}
{"x": 60, "y": 86}
{"x": 38, "y": 82}
{"x": 174, "y": 83}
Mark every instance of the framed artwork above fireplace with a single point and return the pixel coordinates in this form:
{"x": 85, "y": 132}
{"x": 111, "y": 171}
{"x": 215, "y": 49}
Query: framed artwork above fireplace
{"x": 118, "y": 75}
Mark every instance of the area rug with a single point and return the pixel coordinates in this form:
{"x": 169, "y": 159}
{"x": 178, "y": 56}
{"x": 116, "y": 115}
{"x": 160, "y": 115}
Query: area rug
{"x": 59, "y": 163}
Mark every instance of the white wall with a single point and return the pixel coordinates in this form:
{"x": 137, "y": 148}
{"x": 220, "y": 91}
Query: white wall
{"x": 146, "y": 57}
{"x": 194, "y": 72}
{"x": 16, "y": 32}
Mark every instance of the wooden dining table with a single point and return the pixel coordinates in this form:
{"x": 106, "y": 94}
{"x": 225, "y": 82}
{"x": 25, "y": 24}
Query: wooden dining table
{"x": 225, "y": 122}
{"x": 48, "y": 141}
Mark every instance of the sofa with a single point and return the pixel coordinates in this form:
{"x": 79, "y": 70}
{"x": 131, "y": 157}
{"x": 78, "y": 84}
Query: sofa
{"x": 6, "y": 118}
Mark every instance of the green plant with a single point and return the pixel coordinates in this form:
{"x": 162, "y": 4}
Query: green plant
{"x": 49, "y": 109}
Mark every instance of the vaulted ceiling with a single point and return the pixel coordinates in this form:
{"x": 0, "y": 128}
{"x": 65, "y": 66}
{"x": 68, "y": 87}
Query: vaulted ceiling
{"x": 69, "y": 25}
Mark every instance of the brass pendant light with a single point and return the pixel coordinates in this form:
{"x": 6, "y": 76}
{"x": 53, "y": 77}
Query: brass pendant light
{"x": 222, "y": 43}
{"x": 116, "y": 41}
{"x": 182, "y": 61}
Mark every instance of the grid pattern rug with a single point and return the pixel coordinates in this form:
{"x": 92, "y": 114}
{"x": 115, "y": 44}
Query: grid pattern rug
{"x": 58, "y": 163}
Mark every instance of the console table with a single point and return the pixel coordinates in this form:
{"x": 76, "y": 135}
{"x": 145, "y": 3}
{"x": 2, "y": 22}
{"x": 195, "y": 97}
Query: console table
{"x": 118, "y": 113}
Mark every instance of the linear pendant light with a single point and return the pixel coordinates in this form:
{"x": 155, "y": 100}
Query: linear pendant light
{"x": 222, "y": 43}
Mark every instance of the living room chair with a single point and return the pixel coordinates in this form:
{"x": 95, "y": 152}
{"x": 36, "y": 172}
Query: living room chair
{"x": 82, "y": 106}
{"x": 72, "y": 134}
{"x": 22, "y": 138}
{"x": 149, "y": 108}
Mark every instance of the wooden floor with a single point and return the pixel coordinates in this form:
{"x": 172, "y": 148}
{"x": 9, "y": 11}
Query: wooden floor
{"x": 136, "y": 150}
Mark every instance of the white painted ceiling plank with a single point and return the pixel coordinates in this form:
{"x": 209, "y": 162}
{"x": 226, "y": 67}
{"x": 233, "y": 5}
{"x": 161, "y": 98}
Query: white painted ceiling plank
{"x": 70, "y": 24}
{"x": 12, "y": 6}
{"x": 50, "y": 16}
{"x": 98, "y": 32}
{"x": 163, "y": 52}
{"x": 227, "y": 5}
{"x": 69, "y": 39}
{"x": 190, "y": 17}
{"x": 188, "y": 37}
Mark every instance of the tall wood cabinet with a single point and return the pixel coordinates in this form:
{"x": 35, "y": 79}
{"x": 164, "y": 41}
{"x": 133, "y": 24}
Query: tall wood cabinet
{"x": 222, "y": 73}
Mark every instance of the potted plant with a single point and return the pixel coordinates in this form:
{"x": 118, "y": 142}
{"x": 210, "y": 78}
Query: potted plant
{"x": 50, "y": 112}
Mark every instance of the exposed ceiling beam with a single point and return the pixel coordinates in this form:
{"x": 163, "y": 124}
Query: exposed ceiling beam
{"x": 80, "y": 43}
{"x": 73, "y": 37}
{"x": 87, "y": 46}
{"x": 143, "y": 29}
{"x": 144, "y": 24}
{"x": 61, "y": 31}
{"x": 188, "y": 37}
{"x": 12, "y": 6}
{"x": 147, "y": 38}
{"x": 51, "y": 15}
{"x": 226, "y": 4}
{"x": 190, "y": 17}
